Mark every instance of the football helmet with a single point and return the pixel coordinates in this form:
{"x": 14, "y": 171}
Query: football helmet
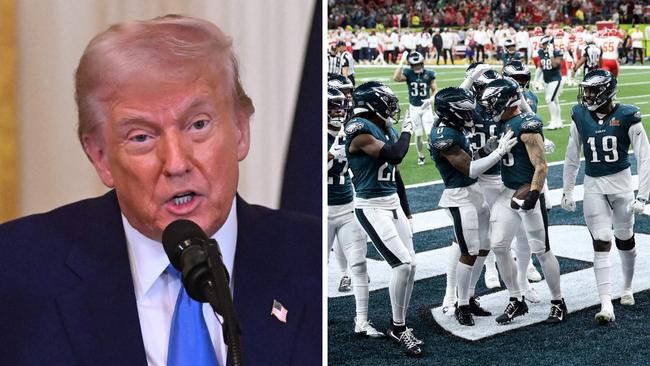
{"x": 597, "y": 88}
{"x": 416, "y": 61}
{"x": 545, "y": 41}
{"x": 479, "y": 84}
{"x": 560, "y": 33}
{"x": 518, "y": 71}
{"x": 499, "y": 95}
{"x": 537, "y": 31}
{"x": 508, "y": 43}
{"x": 377, "y": 98}
{"x": 341, "y": 83}
{"x": 337, "y": 107}
{"x": 454, "y": 107}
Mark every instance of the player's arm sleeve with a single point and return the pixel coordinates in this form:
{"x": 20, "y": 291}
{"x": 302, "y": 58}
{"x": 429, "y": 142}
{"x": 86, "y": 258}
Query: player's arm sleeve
{"x": 480, "y": 166}
{"x": 642, "y": 152}
{"x": 401, "y": 192}
{"x": 394, "y": 153}
{"x": 571, "y": 160}
{"x": 523, "y": 104}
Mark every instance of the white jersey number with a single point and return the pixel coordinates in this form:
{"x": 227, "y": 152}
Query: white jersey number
{"x": 610, "y": 154}
{"x": 384, "y": 174}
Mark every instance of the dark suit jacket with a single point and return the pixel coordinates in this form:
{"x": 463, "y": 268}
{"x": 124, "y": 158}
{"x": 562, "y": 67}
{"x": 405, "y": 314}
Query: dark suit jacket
{"x": 67, "y": 298}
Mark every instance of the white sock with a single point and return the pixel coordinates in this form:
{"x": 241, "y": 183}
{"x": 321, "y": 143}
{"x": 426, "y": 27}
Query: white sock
{"x": 602, "y": 269}
{"x": 490, "y": 262}
{"x": 554, "y": 109}
{"x": 453, "y": 255}
{"x": 507, "y": 270}
{"x": 464, "y": 277}
{"x": 418, "y": 145}
{"x": 477, "y": 268}
{"x": 409, "y": 287}
{"x": 628, "y": 258}
{"x": 522, "y": 252}
{"x": 359, "y": 277}
{"x": 551, "y": 269}
{"x": 397, "y": 290}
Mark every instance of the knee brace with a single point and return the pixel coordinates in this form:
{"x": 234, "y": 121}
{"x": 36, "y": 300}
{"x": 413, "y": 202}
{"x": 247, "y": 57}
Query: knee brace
{"x": 602, "y": 246}
{"x": 625, "y": 244}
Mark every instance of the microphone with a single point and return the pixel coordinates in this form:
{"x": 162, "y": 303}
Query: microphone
{"x": 204, "y": 276}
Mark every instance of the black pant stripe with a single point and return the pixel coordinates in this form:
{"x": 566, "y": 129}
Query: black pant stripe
{"x": 458, "y": 230}
{"x": 555, "y": 91}
{"x": 542, "y": 206}
{"x": 388, "y": 256}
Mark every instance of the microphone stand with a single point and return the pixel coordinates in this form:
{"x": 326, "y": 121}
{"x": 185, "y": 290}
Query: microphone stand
{"x": 221, "y": 301}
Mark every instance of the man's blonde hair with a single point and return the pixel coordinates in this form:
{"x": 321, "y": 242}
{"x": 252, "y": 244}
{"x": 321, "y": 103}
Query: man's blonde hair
{"x": 173, "y": 44}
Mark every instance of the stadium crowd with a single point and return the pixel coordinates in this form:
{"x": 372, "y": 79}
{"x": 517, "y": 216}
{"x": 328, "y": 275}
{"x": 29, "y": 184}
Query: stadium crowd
{"x": 382, "y": 14}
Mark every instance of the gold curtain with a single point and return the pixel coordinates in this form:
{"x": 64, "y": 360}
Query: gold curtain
{"x": 8, "y": 133}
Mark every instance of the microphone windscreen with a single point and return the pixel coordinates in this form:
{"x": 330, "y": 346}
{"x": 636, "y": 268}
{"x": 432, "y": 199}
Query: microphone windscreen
{"x": 175, "y": 234}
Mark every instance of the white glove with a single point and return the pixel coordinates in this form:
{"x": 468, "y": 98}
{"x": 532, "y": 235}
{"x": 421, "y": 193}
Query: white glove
{"x": 407, "y": 125}
{"x": 549, "y": 146}
{"x": 491, "y": 144}
{"x": 549, "y": 50}
{"x": 568, "y": 203}
{"x": 405, "y": 54}
{"x": 638, "y": 205}
{"x": 507, "y": 142}
{"x": 479, "y": 70}
{"x": 426, "y": 104}
{"x": 337, "y": 150}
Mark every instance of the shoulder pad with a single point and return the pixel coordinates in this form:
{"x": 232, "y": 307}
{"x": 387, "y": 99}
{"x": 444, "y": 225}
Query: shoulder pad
{"x": 576, "y": 111}
{"x": 433, "y": 74}
{"x": 631, "y": 113}
{"x": 442, "y": 144}
{"x": 407, "y": 72}
{"x": 531, "y": 123}
{"x": 353, "y": 128}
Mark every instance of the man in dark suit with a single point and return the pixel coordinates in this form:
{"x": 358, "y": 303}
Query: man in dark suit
{"x": 165, "y": 122}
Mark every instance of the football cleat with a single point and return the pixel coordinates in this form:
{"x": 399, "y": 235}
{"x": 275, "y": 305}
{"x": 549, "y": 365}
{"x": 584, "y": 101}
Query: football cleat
{"x": 464, "y": 315}
{"x": 345, "y": 285}
{"x": 366, "y": 329}
{"x": 605, "y": 315}
{"x": 475, "y": 307}
{"x": 492, "y": 278}
{"x": 558, "y": 312}
{"x": 532, "y": 274}
{"x": 627, "y": 298}
{"x": 531, "y": 295}
{"x": 514, "y": 309}
{"x": 409, "y": 343}
{"x": 421, "y": 160}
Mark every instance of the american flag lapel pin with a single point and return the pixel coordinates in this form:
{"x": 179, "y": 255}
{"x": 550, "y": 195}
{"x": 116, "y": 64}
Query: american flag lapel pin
{"x": 279, "y": 311}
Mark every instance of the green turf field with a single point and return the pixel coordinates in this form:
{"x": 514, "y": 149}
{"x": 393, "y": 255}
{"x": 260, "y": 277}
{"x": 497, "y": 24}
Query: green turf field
{"x": 633, "y": 84}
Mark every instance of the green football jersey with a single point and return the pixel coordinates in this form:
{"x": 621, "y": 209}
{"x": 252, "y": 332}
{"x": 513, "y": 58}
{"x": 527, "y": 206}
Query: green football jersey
{"x": 484, "y": 128}
{"x": 605, "y": 141}
{"x": 549, "y": 72}
{"x": 372, "y": 178}
{"x": 442, "y": 138}
{"x": 516, "y": 168}
{"x": 339, "y": 187}
{"x": 507, "y": 57}
{"x": 531, "y": 99}
{"x": 419, "y": 85}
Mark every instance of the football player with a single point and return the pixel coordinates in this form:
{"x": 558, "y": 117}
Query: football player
{"x": 525, "y": 164}
{"x": 609, "y": 44}
{"x": 511, "y": 52}
{"x": 341, "y": 224}
{"x": 550, "y": 60}
{"x": 605, "y": 130}
{"x": 372, "y": 154}
{"x": 535, "y": 40}
{"x": 465, "y": 203}
{"x": 421, "y": 84}
{"x": 344, "y": 85}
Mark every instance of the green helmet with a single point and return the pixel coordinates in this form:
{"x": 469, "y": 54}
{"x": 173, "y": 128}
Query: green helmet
{"x": 597, "y": 88}
{"x": 377, "y": 98}
{"x": 455, "y": 107}
{"x": 499, "y": 95}
{"x": 337, "y": 107}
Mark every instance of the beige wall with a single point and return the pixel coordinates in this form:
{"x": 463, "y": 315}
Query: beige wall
{"x": 269, "y": 38}
{"x": 8, "y": 149}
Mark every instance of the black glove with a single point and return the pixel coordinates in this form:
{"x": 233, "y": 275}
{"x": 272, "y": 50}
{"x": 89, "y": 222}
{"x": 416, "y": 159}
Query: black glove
{"x": 531, "y": 200}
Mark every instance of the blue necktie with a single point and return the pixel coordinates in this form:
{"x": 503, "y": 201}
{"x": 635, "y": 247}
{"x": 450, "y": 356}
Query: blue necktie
{"x": 189, "y": 339}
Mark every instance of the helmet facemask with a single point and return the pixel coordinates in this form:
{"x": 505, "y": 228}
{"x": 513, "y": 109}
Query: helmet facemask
{"x": 337, "y": 111}
{"x": 595, "y": 96}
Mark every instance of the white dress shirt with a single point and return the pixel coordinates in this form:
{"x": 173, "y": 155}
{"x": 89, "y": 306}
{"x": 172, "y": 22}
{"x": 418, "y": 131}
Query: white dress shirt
{"x": 156, "y": 291}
